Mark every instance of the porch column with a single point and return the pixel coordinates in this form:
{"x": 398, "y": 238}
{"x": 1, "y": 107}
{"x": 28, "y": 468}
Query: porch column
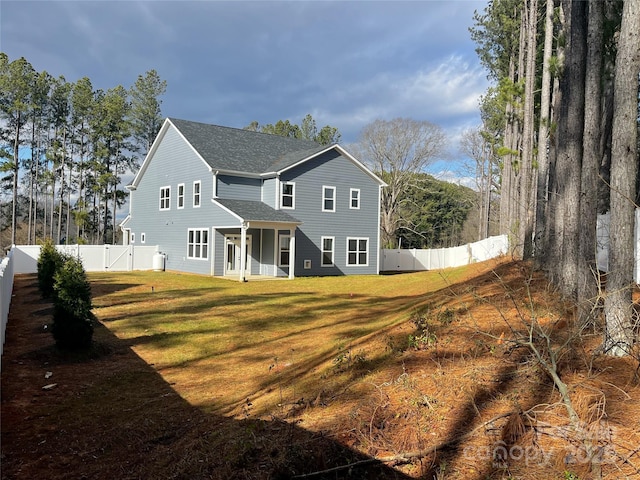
{"x": 292, "y": 254}
{"x": 243, "y": 250}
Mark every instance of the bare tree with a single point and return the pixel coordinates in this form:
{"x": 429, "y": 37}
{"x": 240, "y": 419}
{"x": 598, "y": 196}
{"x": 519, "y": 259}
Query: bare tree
{"x": 480, "y": 151}
{"x": 624, "y": 155}
{"x": 396, "y": 150}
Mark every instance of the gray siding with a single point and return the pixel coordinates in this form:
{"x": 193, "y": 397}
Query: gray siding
{"x": 332, "y": 169}
{"x": 174, "y": 163}
{"x": 269, "y": 192}
{"x": 239, "y": 188}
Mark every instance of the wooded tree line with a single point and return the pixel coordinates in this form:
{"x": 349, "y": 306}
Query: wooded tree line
{"x": 307, "y": 130}
{"x": 561, "y": 122}
{"x": 65, "y": 146}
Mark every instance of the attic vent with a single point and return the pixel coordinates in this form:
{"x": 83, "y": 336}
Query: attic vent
{"x": 307, "y": 264}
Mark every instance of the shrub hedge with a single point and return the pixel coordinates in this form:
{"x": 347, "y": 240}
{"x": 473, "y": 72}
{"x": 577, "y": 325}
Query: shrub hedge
{"x": 63, "y": 278}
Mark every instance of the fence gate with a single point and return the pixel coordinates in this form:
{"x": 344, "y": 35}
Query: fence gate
{"x": 118, "y": 257}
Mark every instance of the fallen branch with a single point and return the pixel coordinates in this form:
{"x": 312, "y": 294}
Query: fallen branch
{"x": 407, "y": 456}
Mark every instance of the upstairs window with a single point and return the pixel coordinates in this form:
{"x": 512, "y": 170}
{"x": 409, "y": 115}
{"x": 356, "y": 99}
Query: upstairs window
{"x": 165, "y": 198}
{"x": 354, "y": 199}
{"x": 196, "y": 193}
{"x": 181, "y": 195}
{"x": 287, "y": 195}
{"x": 328, "y": 199}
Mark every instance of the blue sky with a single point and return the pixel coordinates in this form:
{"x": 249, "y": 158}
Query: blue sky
{"x": 347, "y": 63}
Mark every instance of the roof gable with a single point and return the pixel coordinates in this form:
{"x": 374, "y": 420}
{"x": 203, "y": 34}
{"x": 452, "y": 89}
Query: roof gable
{"x": 243, "y": 152}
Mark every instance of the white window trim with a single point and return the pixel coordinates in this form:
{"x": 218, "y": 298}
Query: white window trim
{"x": 143, "y": 237}
{"x": 166, "y": 200}
{"x": 326, "y": 188}
{"x": 179, "y": 196}
{"x": 293, "y": 195}
{"x": 357, "y": 264}
{"x": 351, "y": 191}
{"x": 280, "y": 237}
{"x": 333, "y": 251}
{"x": 198, "y": 195}
{"x": 202, "y": 244}
{"x": 133, "y": 237}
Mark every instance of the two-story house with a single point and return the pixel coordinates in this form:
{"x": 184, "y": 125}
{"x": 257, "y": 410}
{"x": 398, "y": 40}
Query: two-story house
{"x": 229, "y": 202}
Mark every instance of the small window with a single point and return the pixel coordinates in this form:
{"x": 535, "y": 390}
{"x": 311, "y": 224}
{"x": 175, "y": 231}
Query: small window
{"x": 181, "y": 195}
{"x": 357, "y": 251}
{"x": 327, "y": 251}
{"x": 165, "y": 198}
{"x": 287, "y": 195}
{"x": 283, "y": 250}
{"x": 328, "y": 199}
{"x": 196, "y": 194}
{"x": 133, "y": 238}
{"x": 143, "y": 238}
{"x": 198, "y": 243}
{"x": 354, "y": 202}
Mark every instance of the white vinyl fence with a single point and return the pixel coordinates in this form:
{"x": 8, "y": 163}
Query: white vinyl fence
{"x": 407, "y": 260}
{"x": 6, "y": 290}
{"x": 95, "y": 258}
{"x": 603, "y": 244}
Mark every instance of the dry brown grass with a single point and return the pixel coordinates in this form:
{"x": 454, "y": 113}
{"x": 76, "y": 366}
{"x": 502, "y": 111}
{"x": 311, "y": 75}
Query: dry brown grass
{"x": 195, "y": 377}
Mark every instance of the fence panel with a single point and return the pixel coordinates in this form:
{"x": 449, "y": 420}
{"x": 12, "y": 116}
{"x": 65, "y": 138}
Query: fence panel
{"x": 397, "y": 260}
{"x": 6, "y": 290}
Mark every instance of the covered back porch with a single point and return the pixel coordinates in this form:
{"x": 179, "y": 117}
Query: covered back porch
{"x": 261, "y": 245}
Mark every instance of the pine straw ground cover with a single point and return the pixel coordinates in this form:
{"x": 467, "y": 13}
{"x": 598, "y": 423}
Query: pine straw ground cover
{"x": 402, "y": 376}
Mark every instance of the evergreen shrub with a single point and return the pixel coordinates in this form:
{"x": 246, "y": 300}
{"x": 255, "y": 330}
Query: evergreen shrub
{"x": 72, "y": 316}
{"x": 49, "y": 261}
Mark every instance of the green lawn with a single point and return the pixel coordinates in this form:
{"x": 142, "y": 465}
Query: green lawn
{"x": 220, "y": 342}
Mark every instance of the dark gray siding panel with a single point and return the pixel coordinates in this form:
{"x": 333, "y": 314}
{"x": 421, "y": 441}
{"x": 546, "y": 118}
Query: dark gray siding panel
{"x": 239, "y": 188}
{"x": 334, "y": 170}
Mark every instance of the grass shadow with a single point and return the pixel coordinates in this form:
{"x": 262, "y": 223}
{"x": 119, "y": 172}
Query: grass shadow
{"x": 113, "y": 416}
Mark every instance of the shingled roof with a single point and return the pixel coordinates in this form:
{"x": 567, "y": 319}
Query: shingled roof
{"x": 237, "y": 150}
{"x": 253, "y": 211}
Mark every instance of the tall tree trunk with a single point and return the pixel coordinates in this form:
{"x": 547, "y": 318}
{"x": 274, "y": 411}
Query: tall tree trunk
{"x": 506, "y": 196}
{"x": 515, "y": 219}
{"x": 552, "y": 235}
{"x": 542, "y": 185}
{"x": 619, "y": 335}
{"x": 592, "y": 157}
{"x": 16, "y": 172}
{"x": 571, "y": 129}
{"x": 62, "y": 185}
{"x": 526, "y": 200}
